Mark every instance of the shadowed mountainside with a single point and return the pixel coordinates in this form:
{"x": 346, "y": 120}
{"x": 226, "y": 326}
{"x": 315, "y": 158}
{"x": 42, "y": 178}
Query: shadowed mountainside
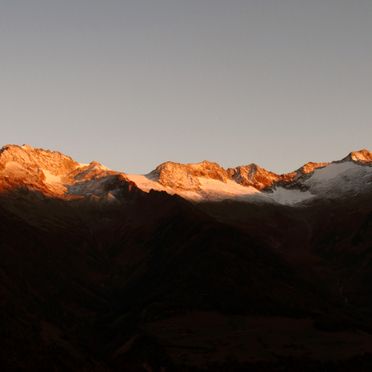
{"x": 160, "y": 281}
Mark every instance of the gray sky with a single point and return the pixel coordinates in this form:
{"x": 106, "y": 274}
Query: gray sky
{"x": 135, "y": 83}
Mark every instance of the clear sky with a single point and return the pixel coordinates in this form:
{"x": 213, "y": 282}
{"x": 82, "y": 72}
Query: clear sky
{"x": 135, "y": 83}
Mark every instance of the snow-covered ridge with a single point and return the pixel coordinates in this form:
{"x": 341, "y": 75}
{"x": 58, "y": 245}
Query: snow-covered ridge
{"x": 58, "y": 175}
{"x": 207, "y": 181}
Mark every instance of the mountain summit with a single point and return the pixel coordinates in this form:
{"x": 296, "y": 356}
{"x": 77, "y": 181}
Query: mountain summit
{"x": 55, "y": 174}
{"x": 185, "y": 176}
{"x": 361, "y": 156}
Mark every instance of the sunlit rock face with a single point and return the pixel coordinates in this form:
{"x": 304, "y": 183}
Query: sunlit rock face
{"x": 253, "y": 175}
{"x": 53, "y": 161}
{"x": 310, "y": 167}
{"x": 261, "y": 179}
{"x": 38, "y": 169}
{"x": 362, "y": 156}
{"x": 186, "y": 176}
{"x": 294, "y": 179}
{"x": 55, "y": 174}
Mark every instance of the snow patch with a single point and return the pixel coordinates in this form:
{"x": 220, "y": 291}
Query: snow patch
{"x": 145, "y": 183}
{"x": 290, "y": 196}
{"x": 209, "y": 190}
{"x": 51, "y": 178}
{"x": 332, "y": 171}
{"x": 340, "y": 180}
{"x": 14, "y": 167}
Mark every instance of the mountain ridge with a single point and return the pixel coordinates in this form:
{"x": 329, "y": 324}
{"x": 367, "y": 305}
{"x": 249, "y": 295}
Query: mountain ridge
{"x": 54, "y": 173}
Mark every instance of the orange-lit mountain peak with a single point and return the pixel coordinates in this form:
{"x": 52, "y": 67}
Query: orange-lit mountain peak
{"x": 311, "y": 166}
{"x": 53, "y": 161}
{"x": 363, "y": 156}
{"x": 55, "y": 174}
{"x": 253, "y": 175}
{"x": 185, "y": 176}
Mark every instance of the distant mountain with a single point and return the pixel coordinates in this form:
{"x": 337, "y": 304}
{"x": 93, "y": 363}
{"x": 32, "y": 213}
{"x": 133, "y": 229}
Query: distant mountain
{"x": 191, "y": 267}
{"x": 56, "y": 174}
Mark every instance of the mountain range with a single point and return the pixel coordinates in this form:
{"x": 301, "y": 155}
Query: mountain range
{"x": 191, "y": 267}
{"x": 58, "y": 175}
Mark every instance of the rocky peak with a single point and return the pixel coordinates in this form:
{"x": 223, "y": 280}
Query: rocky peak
{"x": 185, "y": 176}
{"x": 30, "y": 158}
{"x": 253, "y": 175}
{"x": 310, "y": 167}
{"x": 92, "y": 170}
{"x": 55, "y": 174}
{"x": 362, "y": 156}
{"x": 260, "y": 178}
{"x": 33, "y": 168}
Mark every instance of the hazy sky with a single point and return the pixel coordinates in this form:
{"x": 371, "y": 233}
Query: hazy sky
{"x": 135, "y": 83}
